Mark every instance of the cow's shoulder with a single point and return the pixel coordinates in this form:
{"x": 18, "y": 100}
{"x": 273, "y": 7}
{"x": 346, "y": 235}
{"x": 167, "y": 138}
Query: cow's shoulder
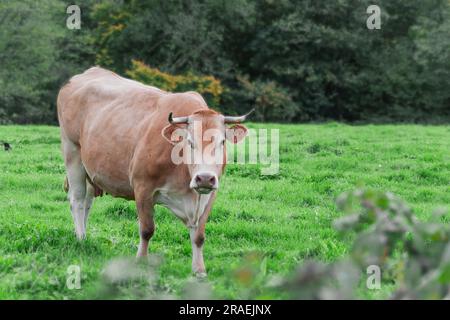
{"x": 97, "y": 81}
{"x": 189, "y": 97}
{"x": 195, "y": 95}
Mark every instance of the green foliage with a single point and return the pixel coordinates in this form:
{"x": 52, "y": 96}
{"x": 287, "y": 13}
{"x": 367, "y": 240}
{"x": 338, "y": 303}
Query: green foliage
{"x": 37, "y": 54}
{"x": 338, "y": 69}
{"x": 411, "y": 253}
{"x": 306, "y": 60}
{"x": 25, "y": 56}
{"x": 272, "y": 102}
{"x": 291, "y": 60}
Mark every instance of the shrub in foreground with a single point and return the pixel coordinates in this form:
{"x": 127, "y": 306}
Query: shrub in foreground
{"x": 412, "y": 254}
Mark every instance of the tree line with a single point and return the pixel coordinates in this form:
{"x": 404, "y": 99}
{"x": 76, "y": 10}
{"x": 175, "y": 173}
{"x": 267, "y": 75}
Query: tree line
{"x": 292, "y": 60}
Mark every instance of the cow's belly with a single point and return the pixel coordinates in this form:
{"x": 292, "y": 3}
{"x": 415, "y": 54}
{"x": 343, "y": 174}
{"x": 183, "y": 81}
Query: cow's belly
{"x": 107, "y": 171}
{"x": 188, "y": 207}
{"x": 113, "y": 186}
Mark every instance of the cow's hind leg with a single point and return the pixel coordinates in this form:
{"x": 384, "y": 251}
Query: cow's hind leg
{"x": 91, "y": 193}
{"x": 76, "y": 175}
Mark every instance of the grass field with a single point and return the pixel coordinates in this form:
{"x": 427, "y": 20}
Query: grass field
{"x": 286, "y": 217}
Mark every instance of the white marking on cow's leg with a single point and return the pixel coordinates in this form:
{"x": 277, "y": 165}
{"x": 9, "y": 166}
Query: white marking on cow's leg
{"x": 198, "y": 265}
{"x": 77, "y": 180}
{"x": 197, "y": 235}
{"x": 146, "y": 230}
{"x": 76, "y": 175}
{"x": 90, "y": 192}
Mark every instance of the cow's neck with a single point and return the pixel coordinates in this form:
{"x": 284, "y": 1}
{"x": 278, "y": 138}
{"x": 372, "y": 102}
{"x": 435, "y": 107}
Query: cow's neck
{"x": 188, "y": 206}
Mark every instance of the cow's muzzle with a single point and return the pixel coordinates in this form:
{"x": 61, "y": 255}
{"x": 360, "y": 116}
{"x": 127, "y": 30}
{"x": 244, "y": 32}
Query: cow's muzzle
{"x": 204, "y": 182}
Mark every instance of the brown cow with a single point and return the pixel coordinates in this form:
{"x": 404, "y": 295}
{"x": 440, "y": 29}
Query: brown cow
{"x": 119, "y": 135}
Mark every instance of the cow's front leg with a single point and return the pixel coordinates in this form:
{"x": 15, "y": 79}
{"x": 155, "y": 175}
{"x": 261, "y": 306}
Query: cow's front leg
{"x": 197, "y": 235}
{"x": 144, "y": 204}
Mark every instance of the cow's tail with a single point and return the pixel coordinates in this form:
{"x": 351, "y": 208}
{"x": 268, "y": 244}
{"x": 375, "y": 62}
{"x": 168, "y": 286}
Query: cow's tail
{"x": 66, "y": 185}
{"x": 97, "y": 191}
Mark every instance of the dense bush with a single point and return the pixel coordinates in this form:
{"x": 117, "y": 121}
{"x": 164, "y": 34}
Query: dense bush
{"x": 292, "y": 60}
{"x": 37, "y": 55}
{"x": 25, "y": 58}
{"x": 272, "y": 102}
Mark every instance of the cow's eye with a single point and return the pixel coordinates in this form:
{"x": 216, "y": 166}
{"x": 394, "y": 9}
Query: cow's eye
{"x": 191, "y": 143}
{"x": 223, "y": 142}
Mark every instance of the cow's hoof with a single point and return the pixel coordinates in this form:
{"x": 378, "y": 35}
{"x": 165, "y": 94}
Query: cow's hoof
{"x": 80, "y": 237}
{"x": 200, "y": 275}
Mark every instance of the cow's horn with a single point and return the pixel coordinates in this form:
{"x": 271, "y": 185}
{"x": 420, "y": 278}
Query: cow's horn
{"x": 177, "y": 120}
{"x": 238, "y": 119}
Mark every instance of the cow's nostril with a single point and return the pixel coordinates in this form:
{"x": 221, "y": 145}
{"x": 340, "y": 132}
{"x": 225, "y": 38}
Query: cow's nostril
{"x": 206, "y": 181}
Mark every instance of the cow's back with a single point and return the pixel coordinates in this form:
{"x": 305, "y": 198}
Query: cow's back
{"x": 97, "y": 94}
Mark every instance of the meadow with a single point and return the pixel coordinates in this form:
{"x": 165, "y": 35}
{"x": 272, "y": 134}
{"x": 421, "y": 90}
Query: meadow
{"x": 287, "y": 218}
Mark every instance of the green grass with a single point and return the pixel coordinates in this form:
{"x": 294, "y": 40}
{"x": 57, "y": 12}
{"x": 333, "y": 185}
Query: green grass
{"x": 286, "y": 217}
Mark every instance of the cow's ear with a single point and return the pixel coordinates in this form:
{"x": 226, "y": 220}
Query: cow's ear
{"x": 236, "y": 133}
{"x": 174, "y": 134}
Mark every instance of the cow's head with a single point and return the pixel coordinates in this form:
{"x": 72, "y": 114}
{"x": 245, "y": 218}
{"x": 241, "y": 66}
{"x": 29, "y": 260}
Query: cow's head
{"x": 199, "y": 142}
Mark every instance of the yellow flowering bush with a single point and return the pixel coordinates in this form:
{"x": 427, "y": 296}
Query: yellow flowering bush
{"x": 208, "y": 86}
